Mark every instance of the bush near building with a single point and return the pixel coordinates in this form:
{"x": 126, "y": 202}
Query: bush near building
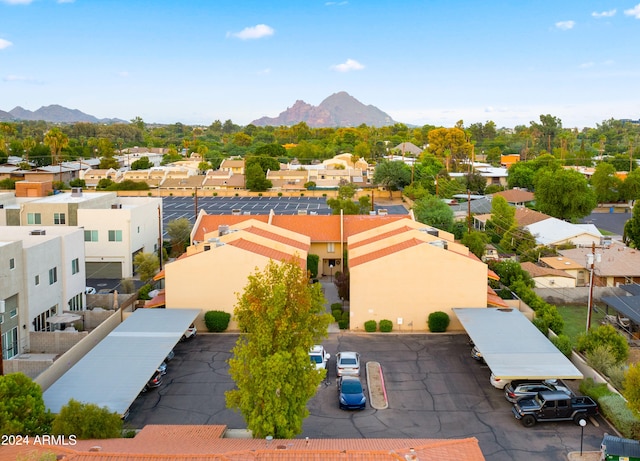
{"x": 370, "y": 326}
{"x": 217, "y": 321}
{"x": 386, "y": 326}
{"x": 438, "y": 322}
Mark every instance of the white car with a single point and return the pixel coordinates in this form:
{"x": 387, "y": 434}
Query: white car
{"x": 497, "y": 382}
{"x": 190, "y": 333}
{"x": 319, "y": 356}
{"x": 348, "y": 364}
{"x": 89, "y": 291}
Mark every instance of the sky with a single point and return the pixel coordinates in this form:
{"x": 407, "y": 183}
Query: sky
{"x": 432, "y": 62}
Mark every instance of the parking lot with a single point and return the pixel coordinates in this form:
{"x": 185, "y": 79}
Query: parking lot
{"x": 435, "y": 390}
{"x": 185, "y": 207}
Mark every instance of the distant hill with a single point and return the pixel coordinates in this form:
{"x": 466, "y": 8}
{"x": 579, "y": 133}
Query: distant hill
{"x": 338, "y": 110}
{"x": 53, "y": 113}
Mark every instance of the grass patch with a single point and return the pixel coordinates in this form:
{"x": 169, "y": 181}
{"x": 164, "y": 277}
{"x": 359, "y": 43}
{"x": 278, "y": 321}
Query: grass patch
{"x": 606, "y": 232}
{"x": 575, "y": 319}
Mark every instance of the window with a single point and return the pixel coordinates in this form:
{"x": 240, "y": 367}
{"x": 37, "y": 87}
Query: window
{"x": 12, "y": 264}
{"x": 115, "y": 236}
{"x": 40, "y": 322}
{"x": 37, "y": 280}
{"x": 331, "y": 247}
{"x": 90, "y": 235}
{"x": 10, "y": 344}
{"x": 75, "y": 266}
{"x": 53, "y": 275}
{"x": 13, "y": 313}
{"x": 59, "y": 218}
{"x": 75, "y": 303}
{"x": 34, "y": 218}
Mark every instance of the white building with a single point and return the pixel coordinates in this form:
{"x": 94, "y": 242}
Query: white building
{"x": 42, "y": 273}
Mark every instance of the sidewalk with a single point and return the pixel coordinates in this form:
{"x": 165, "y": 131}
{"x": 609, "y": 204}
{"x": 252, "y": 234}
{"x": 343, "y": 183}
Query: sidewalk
{"x": 331, "y": 295}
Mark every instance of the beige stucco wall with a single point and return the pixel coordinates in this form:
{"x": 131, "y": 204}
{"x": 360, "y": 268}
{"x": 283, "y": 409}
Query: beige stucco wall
{"x": 554, "y": 282}
{"x": 412, "y": 283}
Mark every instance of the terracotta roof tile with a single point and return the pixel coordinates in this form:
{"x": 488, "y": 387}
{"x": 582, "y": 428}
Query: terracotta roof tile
{"x": 516, "y": 195}
{"x": 539, "y": 271}
{"x": 380, "y": 236}
{"x": 525, "y": 216}
{"x": 277, "y": 237}
{"x": 493, "y": 299}
{"x": 410, "y": 243}
{"x": 210, "y": 223}
{"x": 265, "y": 251}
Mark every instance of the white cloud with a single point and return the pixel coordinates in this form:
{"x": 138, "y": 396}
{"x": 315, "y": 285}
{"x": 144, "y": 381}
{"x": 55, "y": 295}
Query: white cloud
{"x": 16, "y": 2}
{"x": 586, "y": 65}
{"x": 19, "y": 78}
{"x": 336, "y": 3}
{"x": 604, "y": 14}
{"x": 250, "y": 33}
{"x": 66, "y": 1}
{"x": 635, "y": 11}
{"x": 348, "y": 66}
{"x": 4, "y": 43}
{"x": 565, "y": 25}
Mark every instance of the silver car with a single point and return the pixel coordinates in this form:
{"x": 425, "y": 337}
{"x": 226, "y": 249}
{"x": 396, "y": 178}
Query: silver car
{"x": 348, "y": 364}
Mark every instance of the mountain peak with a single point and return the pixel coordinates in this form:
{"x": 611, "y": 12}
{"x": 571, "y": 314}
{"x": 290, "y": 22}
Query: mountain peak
{"x": 338, "y": 110}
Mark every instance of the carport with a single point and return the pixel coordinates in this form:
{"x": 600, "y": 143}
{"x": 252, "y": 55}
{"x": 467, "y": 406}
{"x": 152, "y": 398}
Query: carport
{"x": 113, "y": 373}
{"x": 513, "y": 347}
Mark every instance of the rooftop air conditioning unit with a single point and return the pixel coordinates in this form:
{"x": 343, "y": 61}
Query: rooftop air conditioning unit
{"x": 440, "y": 244}
{"x": 38, "y": 232}
{"x": 430, "y": 231}
{"x": 383, "y": 212}
{"x": 207, "y": 247}
{"x": 236, "y": 211}
{"x": 116, "y": 206}
{"x": 223, "y": 229}
{"x": 76, "y": 191}
{"x": 302, "y": 212}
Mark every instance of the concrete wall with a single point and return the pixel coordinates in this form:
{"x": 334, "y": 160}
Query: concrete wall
{"x": 576, "y": 295}
{"x": 73, "y": 355}
{"x": 54, "y": 342}
{"x": 31, "y": 368}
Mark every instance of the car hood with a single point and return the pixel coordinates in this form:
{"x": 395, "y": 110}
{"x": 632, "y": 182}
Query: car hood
{"x": 353, "y": 399}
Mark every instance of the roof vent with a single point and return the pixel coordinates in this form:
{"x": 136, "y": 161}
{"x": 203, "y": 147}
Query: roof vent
{"x": 302, "y": 212}
{"x": 383, "y": 212}
{"x": 440, "y": 244}
{"x": 116, "y": 206}
{"x": 236, "y": 211}
{"x": 38, "y": 232}
{"x": 207, "y": 247}
{"x": 223, "y": 229}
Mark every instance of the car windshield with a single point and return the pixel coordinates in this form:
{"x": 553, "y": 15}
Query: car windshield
{"x": 351, "y": 387}
{"x": 316, "y": 359}
{"x": 348, "y": 361}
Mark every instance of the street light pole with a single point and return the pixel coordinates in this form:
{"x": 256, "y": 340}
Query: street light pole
{"x": 583, "y": 423}
{"x": 331, "y": 271}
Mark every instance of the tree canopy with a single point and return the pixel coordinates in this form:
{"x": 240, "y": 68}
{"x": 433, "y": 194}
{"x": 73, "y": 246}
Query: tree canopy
{"x": 87, "y": 421}
{"x": 563, "y": 194}
{"x": 22, "y": 409}
{"x": 434, "y": 212}
{"x": 283, "y": 316}
{"x": 344, "y": 201}
{"x": 392, "y": 175}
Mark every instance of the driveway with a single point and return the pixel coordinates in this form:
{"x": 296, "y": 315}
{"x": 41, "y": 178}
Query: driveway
{"x": 435, "y": 390}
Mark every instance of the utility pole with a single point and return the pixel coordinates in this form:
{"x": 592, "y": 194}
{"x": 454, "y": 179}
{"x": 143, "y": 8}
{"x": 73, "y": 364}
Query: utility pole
{"x": 468, "y": 211}
{"x": 591, "y": 261}
{"x": 195, "y": 202}
{"x": 160, "y": 236}
{"x": 2, "y": 304}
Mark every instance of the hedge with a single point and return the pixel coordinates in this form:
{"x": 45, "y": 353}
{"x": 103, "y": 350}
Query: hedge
{"x": 370, "y": 326}
{"x": 217, "y": 321}
{"x": 438, "y": 321}
{"x": 386, "y": 326}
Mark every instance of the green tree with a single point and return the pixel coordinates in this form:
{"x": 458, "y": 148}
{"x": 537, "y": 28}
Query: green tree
{"x": 143, "y": 163}
{"x": 179, "y": 232}
{"x": 256, "y": 180}
{"x": 502, "y": 216}
{"x": 630, "y": 189}
{"x": 344, "y": 201}
{"x": 274, "y": 150}
{"x": 392, "y": 175}
{"x": 434, "y": 212}
{"x": 518, "y": 239}
{"x": 56, "y": 140}
{"x": 604, "y": 335}
{"x": 476, "y": 242}
{"x": 22, "y": 410}
{"x": 87, "y": 421}
{"x": 563, "y": 194}
{"x": 283, "y": 316}
{"x": 631, "y": 386}
{"x": 266, "y": 163}
{"x": 605, "y": 183}
{"x": 631, "y": 235}
{"x": 146, "y": 264}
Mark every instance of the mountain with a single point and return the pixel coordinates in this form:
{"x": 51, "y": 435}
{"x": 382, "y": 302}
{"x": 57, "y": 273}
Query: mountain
{"x": 338, "y": 110}
{"x": 53, "y": 113}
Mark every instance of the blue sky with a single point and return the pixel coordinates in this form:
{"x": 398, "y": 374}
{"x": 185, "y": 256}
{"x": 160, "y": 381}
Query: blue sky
{"x": 422, "y": 62}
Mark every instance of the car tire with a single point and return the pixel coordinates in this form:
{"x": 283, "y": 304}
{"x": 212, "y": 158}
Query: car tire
{"x": 578, "y": 418}
{"x": 528, "y": 421}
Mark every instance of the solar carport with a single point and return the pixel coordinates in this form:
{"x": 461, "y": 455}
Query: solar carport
{"x": 513, "y": 347}
{"x": 114, "y": 372}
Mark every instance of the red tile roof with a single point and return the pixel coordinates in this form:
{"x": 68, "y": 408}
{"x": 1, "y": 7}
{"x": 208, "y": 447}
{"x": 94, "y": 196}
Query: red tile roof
{"x": 277, "y": 237}
{"x": 210, "y": 223}
{"x": 516, "y": 195}
{"x": 184, "y": 442}
{"x": 410, "y": 243}
{"x": 262, "y": 250}
{"x": 493, "y": 299}
{"x": 380, "y": 236}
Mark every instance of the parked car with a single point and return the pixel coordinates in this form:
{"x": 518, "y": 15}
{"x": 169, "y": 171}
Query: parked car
{"x": 519, "y": 388}
{"x": 89, "y": 291}
{"x": 155, "y": 381}
{"x": 348, "y": 364}
{"x": 497, "y": 382}
{"x": 190, "y": 333}
{"x": 476, "y": 354}
{"x": 319, "y": 356}
{"x": 351, "y": 394}
{"x": 554, "y": 406}
{"x": 163, "y": 368}
{"x": 170, "y": 356}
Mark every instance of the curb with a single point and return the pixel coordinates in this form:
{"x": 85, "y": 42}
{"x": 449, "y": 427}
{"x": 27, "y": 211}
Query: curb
{"x": 374, "y": 373}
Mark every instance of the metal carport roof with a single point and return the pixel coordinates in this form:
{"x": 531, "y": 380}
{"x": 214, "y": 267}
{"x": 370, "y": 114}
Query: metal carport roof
{"x": 628, "y": 306}
{"x": 113, "y": 373}
{"x": 513, "y": 347}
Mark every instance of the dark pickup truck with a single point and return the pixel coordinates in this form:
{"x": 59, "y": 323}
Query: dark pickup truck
{"x": 554, "y": 406}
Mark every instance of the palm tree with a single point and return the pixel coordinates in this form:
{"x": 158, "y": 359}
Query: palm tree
{"x": 56, "y": 140}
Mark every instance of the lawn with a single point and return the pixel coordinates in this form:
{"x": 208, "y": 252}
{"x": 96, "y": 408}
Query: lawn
{"x": 575, "y": 319}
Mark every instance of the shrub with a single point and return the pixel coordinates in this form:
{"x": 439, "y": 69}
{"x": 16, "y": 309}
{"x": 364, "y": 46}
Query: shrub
{"x": 217, "y": 321}
{"x": 215, "y": 194}
{"x": 386, "y": 326}
{"x": 259, "y": 194}
{"x": 343, "y": 323}
{"x": 336, "y": 306}
{"x": 601, "y": 358}
{"x": 279, "y": 194}
{"x": 563, "y": 343}
{"x": 313, "y": 261}
{"x": 616, "y": 410}
{"x": 438, "y": 321}
{"x": 143, "y": 292}
{"x": 337, "y": 314}
{"x": 604, "y": 335}
{"x": 370, "y": 326}
{"x": 302, "y": 194}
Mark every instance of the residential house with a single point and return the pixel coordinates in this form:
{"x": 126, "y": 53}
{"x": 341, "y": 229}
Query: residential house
{"x": 493, "y": 176}
{"x": 236, "y": 166}
{"x": 288, "y": 180}
{"x": 408, "y": 148}
{"x": 223, "y": 180}
{"x": 42, "y": 273}
{"x": 510, "y": 159}
{"x": 405, "y": 257}
{"x": 223, "y": 261}
{"x": 574, "y": 269}
{"x": 554, "y": 232}
{"x": 617, "y": 264}
{"x": 546, "y": 277}
{"x": 516, "y": 197}
{"x": 93, "y": 176}
{"x": 115, "y": 228}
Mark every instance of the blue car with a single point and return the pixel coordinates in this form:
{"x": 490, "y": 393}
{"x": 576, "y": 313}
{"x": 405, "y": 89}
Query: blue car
{"x": 351, "y": 393}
